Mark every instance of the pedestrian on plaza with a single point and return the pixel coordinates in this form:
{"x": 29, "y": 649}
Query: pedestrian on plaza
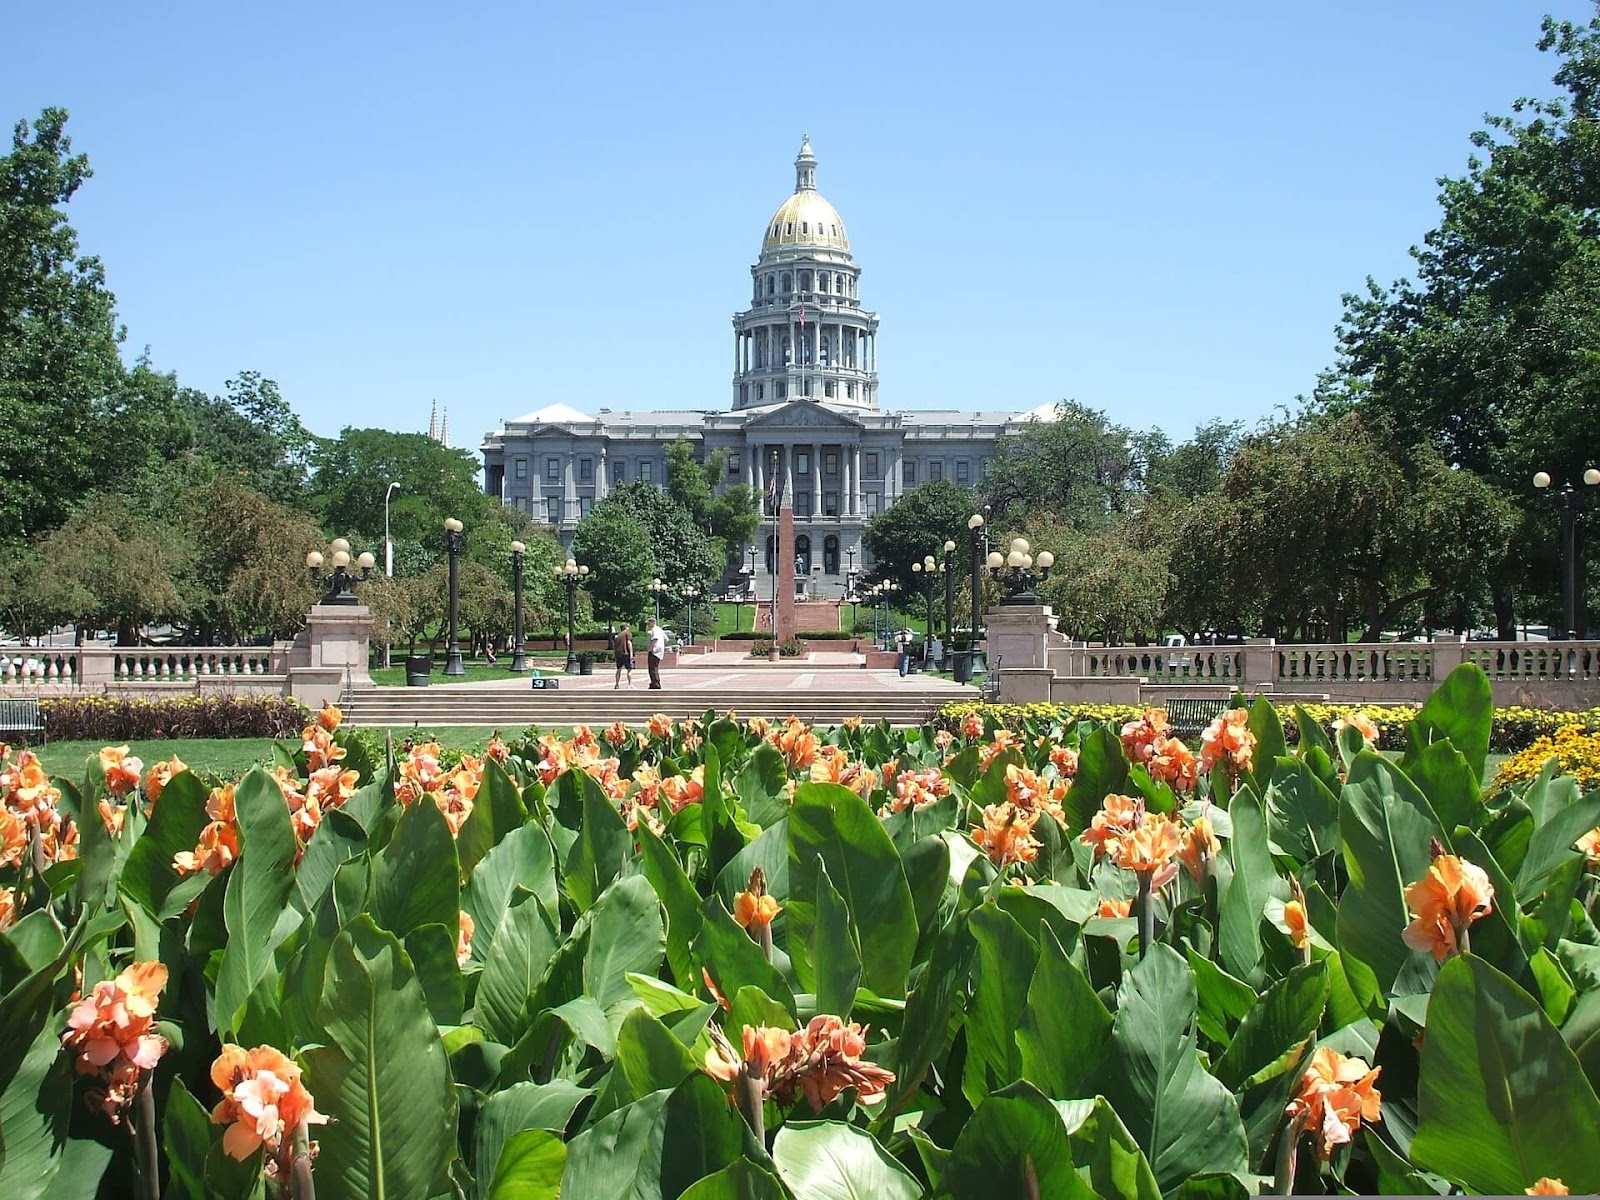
{"x": 905, "y": 652}
{"x": 624, "y": 643}
{"x": 655, "y": 648}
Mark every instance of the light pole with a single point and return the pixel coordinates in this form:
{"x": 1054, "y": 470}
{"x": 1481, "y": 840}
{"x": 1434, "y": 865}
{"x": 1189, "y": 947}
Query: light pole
{"x": 570, "y": 573}
{"x": 452, "y": 546}
{"x": 1568, "y": 501}
{"x": 975, "y": 537}
{"x": 948, "y": 568}
{"x": 689, "y": 594}
{"x": 519, "y": 656}
{"x": 388, "y": 542}
{"x": 338, "y": 584}
{"x": 656, "y": 589}
{"x": 926, "y": 569}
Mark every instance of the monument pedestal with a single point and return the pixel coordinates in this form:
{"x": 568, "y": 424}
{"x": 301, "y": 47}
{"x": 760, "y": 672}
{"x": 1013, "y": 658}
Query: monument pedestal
{"x": 330, "y": 654}
{"x": 1019, "y": 636}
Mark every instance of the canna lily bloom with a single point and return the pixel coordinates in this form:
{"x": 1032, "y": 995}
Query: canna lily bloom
{"x": 753, "y": 911}
{"x": 8, "y": 907}
{"x": 1588, "y": 846}
{"x": 420, "y": 772}
{"x": 218, "y": 846}
{"x": 1006, "y": 834}
{"x": 1362, "y": 724}
{"x": 797, "y": 744}
{"x": 852, "y": 723}
{"x": 497, "y": 749}
{"x": 1546, "y": 1186}
{"x": 1172, "y": 762}
{"x": 1002, "y": 741}
{"x": 617, "y": 734}
{"x": 121, "y": 770}
{"x": 219, "y": 804}
{"x": 112, "y": 1032}
{"x": 1451, "y": 896}
{"x": 834, "y": 765}
{"x": 112, "y": 816}
{"x": 1228, "y": 739}
{"x": 13, "y": 838}
{"x": 680, "y": 791}
{"x": 1151, "y": 849}
{"x": 1027, "y": 790}
{"x": 916, "y": 789}
{"x": 972, "y": 727}
{"x": 1138, "y": 737}
{"x": 160, "y": 775}
{"x": 263, "y": 1102}
{"x": 1065, "y": 760}
{"x": 660, "y": 726}
{"x": 330, "y": 717}
{"x": 942, "y": 740}
{"x": 830, "y": 1051}
{"x": 1200, "y": 848}
{"x": 1296, "y": 925}
{"x": 1117, "y": 816}
{"x": 320, "y": 748}
{"x": 464, "y": 939}
{"x": 1334, "y": 1096}
{"x": 1114, "y": 908}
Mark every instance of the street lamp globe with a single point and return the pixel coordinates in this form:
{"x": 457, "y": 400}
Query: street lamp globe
{"x": 975, "y": 522}
{"x": 452, "y": 525}
{"x": 917, "y": 567}
{"x": 366, "y": 562}
{"x": 341, "y": 558}
{"x": 1020, "y": 545}
{"x": 1592, "y": 477}
{"x": 1541, "y": 479}
{"x": 314, "y": 560}
{"x": 995, "y": 560}
{"x": 1014, "y": 559}
{"x": 949, "y": 546}
{"x": 583, "y": 570}
{"x": 340, "y": 546}
{"x": 1046, "y": 560}
{"x": 517, "y": 547}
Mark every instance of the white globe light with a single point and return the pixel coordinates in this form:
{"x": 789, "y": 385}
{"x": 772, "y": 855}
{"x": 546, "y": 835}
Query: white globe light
{"x": 1014, "y": 559}
{"x": 1046, "y": 560}
{"x": 453, "y": 525}
{"x": 1027, "y": 560}
{"x": 366, "y": 561}
{"x": 995, "y": 560}
{"x": 949, "y": 546}
{"x": 975, "y": 521}
{"x": 917, "y": 567}
{"x": 1592, "y": 477}
{"x": 340, "y": 544}
{"x": 517, "y": 547}
{"x": 314, "y": 560}
{"x": 341, "y": 558}
{"x": 583, "y": 570}
{"x": 1542, "y": 479}
{"x": 1020, "y": 545}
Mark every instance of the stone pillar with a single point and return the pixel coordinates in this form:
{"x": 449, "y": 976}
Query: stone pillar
{"x": 1260, "y": 663}
{"x": 601, "y": 486}
{"x": 855, "y": 479}
{"x": 1449, "y": 652}
{"x": 569, "y": 490}
{"x": 1019, "y": 635}
{"x": 330, "y": 654}
{"x": 816, "y": 480}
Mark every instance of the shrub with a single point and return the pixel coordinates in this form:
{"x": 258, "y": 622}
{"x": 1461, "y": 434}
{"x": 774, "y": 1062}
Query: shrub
{"x": 825, "y": 635}
{"x": 786, "y": 649}
{"x": 122, "y": 719}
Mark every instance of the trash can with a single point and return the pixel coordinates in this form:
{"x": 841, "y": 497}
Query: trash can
{"x": 418, "y": 667}
{"x": 963, "y": 659}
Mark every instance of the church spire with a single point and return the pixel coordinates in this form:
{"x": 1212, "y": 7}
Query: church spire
{"x": 433, "y": 423}
{"x": 444, "y": 434}
{"x": 805, "y": 167}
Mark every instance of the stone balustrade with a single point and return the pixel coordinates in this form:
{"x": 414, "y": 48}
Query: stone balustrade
{"x": 125, "y": 669}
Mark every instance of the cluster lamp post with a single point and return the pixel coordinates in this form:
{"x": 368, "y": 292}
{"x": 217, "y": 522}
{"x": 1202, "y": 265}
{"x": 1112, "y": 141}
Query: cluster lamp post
{"x": 1569, "y": 501}
{"x": 656, "y": 589}
{"x": 570, "y": 573}
{"x": 927, "y": 569}
{"x": 689, "y": 594}
{"x": 338, "y": 585}
{"x": 519, "y": 654}
{"x": 1017, "y": 571}
{"x": 452, "y": 545}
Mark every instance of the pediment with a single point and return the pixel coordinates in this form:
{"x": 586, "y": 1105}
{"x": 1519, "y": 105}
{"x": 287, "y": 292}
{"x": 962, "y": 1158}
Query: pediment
{"x": 803, "y": 414}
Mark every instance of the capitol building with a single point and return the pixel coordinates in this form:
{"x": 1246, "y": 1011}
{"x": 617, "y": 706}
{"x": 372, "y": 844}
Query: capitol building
{"x": 803, "y": 422}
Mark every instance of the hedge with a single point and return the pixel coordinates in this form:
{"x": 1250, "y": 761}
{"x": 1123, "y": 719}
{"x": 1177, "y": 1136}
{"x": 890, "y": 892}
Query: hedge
{"x": 119, "y": 719}
{"x": 815, "y": 635}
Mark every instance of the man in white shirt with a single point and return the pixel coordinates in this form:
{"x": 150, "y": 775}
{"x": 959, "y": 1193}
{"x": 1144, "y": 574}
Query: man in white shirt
{"x": 655, "y": 648}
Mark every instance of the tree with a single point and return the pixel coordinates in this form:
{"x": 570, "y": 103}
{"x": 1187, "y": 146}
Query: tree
{"x": 681, "y": 554}
{"x": 59, "y": 364}
{"x": 1079, "y": 466}
{"x": 351, "y": 475}
{"x": 728, "y": 513}
{"x": 1192, "y": 468}
{"x": 251, "y": 431}
{"x": 916, "y": 525}
{"x": 620, "y": 554}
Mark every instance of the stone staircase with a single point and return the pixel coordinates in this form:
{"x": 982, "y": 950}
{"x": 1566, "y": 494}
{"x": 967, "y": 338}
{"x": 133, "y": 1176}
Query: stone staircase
{"x": 511, "y": 711}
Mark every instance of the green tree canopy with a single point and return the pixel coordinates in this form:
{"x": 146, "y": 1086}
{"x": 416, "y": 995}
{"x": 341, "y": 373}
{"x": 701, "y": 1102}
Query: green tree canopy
{"x": 681, "y": 553}
{"x": 728, "y": 513}
{"x": 618, "y": 550}
{"x": 916, "y": 525}
{"x": 352, "y": 473}
{"x": 1079, "y": 466}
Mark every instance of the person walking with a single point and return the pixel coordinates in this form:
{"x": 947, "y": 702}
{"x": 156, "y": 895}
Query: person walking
{"x": 624, "y": 643}
{"x": 655, "y": 647}
{"x": 905, "y": 652}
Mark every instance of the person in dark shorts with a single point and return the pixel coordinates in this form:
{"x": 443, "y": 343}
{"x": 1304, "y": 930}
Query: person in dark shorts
{"x": 624, "y": 655}
{"x": 654, "y": 651}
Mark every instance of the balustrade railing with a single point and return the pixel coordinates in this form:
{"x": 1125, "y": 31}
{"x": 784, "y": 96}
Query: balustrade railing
{"x": 1552, "y": 661}
{"x": 1164, "y": 664}
{"x": 1355, "y": 663}
{"x": 102, "y": 666}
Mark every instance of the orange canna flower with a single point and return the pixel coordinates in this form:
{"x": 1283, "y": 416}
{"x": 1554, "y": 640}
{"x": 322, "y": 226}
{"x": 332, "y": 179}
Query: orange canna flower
{"x": 617, "y": 734}
{"x": 972, "y": 727}
{"x": 330, "y": 717}
{"x": 218, "y": 846}
{"x": 320, "y": 748}
{"x": 1117, "y": 816}
{"x": 1138, "y": 737}
{"x": 1228, "y": 739}
{"x": 1546, "y": 1186}
{"x": 1027, "y": 790}
{"x": 834, "y": 765}
{"x": 263, "y": 1102}
{"x": 1200, "y": 848}
{"x": 819, "y": 1061}
{"x": 13, "y": 838}
{"x": 1444, "y": 902}
{"x": 8, "y": 907}
{"x": 1334, "y": 1096}
{"x": 497, "y": 750}
{"x": 758, "y": 726}
{"x": 1006, "y": 834}
{"x": 660, "y": 725}
{"x": 852, "y": 723}
{"x": 797, "y": 744}
{"x": 680, "y": 791}
{"x": 916, "y": 789}
{"x": 1296, "y": 925}
{"x": 1002, "y": 741}
{"x": 753, "y": 911}
{"x": 160, "y": 775}
{"x": 1065, "y": 760}
{"x": 464, "y": 939}
{"x": 121, "y": 770}
{"x": 1588, "y": 846}
{"x": 1362, "y": 724}
{"x": 1172, "y": 762}
{"x": 112, "y": 1032}
{"x": 942, "y": 740}
{"x": 1114, "y": 908}
{"x": 1151, "y": 849}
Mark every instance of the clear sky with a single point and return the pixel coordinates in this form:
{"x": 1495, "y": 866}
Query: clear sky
{"x": 1151, "y": 208}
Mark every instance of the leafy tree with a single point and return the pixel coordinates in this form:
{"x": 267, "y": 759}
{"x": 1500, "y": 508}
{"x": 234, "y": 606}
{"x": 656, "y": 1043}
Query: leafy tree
{"x": 1109, "y": 584}
{"x": 1189, "y": 469}
{"x": 59, "y": 365}
{"x": 1079, "y": 466}
{"x": 25, "y": 601}
{"x": 251, "y": 431}
{"x": 680, "y": 552}
{"x": 916, "y": 525}
{"x": 351, "y": 475}
{"x": 618, "y": 550}
{"x": 728, "y": 513}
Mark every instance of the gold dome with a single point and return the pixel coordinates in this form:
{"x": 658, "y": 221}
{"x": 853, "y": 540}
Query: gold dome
{"x": 806, "y": 219}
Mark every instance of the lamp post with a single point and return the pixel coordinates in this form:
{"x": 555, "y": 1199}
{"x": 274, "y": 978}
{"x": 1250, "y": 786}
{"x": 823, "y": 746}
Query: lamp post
{"x": 452, "y": 546}
{"x": 519, "y": 656}
{"x": 1018, "y": 571}
{"x": 975, "y": 536}
{"x": 570, "y": 573}
{"x": 948, "y": 569}
{"x": 689, "y": 594}
{"x": 388, "y": 542}
{"x": 926, "y": 569}
{"x": 1569, "y": 501}
{"x": 338, "y": 585}
{"x": 656, "y": 589}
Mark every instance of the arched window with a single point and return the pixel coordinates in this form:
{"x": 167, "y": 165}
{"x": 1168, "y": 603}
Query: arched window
{"x": 830, "y": 555}
{"x": 802, "y": 555}
{"x": 805, "y": 281}
{"x": 788, "y": 283}
{"x": 822, "y": 281}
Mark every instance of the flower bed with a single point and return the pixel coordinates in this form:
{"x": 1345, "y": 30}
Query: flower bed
{"x": 118, "y": 719}
{"x": 727, "y": 957}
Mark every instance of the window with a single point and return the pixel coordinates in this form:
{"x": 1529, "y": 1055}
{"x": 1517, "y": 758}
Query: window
{"x": 850, "y": 391}
{"x": 522, "y": 468}
{"x": 962, "y": 470}
{"x": 805, "y": 226}
{"x": 782, "y": 389}
{"x": 830, "y": 504}
{"x": 788, "y": 228}
{"x": 647, "y": 472}
{"x": 586, "y": 470}
{"x": 830, "y": 555}
{"x": 619, "y": 472}
{"x": 761, "y": 392}
{"x": 802, "y": 504}
{"x": 908, "y": 473}
{"x": 733, "y": 466}
{"x": 802, "y": 462}
{"x": 827, "y": 388}
{"x": 822, "y": 281}
{"x": 830, "y": 463}
{"x": 772, "y": 281}
{"x": 788, "y": 283}
{"x": 545, "y": 510}
{"x": 552, "y": 470}
{"x": 869, "y": 465}
{"x": 584, "y": 505}
{"x": 874, "y": 503}
{"x": 805, "y": 281}
{"x": 935, "y": 470}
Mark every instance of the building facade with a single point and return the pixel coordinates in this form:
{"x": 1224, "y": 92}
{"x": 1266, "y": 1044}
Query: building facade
{"x": 804, "y": 421}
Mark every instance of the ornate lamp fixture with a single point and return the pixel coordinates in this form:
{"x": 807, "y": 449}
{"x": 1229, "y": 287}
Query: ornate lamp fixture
{"x": 1018, "y": 572}
{"x": 339, "y": 585}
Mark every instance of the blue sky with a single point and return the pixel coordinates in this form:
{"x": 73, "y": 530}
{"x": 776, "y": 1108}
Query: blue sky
{"x": 1150, "y": 208}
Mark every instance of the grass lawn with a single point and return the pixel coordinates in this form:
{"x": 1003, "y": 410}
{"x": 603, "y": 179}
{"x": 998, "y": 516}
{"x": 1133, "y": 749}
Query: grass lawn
{"x": 477, "y": 671}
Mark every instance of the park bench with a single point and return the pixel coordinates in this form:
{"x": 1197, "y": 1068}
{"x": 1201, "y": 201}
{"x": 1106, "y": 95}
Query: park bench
{"x": 21, "y": 720}
{"x": 1190, "y": 716}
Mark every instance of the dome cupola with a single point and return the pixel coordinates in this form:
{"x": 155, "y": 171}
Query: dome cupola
{"x": 805, "y": 220}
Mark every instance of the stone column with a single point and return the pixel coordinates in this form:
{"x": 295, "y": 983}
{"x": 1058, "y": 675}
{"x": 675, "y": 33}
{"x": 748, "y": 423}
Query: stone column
{"x": 601, "y": 490}
{"x": 856, "y": 504}
{"x": 330, "y": 653}
{"x": 1260, "y": 663}
{"x": 816, "y": 479}
{"x": 569, "y": 493}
